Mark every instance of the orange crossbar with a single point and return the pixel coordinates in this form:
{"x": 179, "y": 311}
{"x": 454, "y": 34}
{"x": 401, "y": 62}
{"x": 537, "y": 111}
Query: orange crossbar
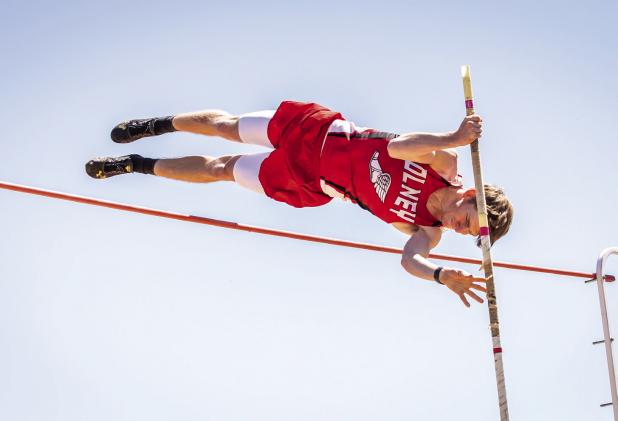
{"x": 278, "y": 233}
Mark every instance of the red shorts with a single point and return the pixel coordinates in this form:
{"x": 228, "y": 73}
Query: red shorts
{"x": 291, "y": 173}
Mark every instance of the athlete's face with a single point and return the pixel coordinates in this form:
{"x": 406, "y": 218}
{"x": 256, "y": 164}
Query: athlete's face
{"x": 463, "y": 217}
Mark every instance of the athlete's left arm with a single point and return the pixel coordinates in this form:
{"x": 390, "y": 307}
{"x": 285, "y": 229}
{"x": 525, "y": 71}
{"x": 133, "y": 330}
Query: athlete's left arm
{"x": 415, "y": 261}
{"x": 423, "y": 147}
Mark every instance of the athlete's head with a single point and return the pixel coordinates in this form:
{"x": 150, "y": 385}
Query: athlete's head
{"x": 462, "y": 215}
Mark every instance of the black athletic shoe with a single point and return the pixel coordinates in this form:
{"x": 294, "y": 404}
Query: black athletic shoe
{"x": 130, "y": 131}
{"x": 109, "y": 167}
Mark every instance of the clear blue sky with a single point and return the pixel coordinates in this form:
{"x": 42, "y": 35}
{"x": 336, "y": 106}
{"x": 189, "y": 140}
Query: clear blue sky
{"x": 107, "y": 315}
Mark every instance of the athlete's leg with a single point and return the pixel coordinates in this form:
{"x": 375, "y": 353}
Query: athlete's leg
{"x": 244, "y": 169}
{"x": 247, "y": 128}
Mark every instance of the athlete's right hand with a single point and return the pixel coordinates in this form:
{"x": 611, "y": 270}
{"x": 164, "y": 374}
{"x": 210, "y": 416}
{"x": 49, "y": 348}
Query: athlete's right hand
{"x": 470, "y": 129}
{"x": 462, "y": 284}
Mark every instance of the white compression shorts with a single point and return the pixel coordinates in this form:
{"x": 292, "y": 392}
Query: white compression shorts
{"x": 253, "y": 129}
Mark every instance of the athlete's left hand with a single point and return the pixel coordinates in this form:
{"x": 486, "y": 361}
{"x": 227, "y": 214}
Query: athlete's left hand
{"x": 462, "y": 284}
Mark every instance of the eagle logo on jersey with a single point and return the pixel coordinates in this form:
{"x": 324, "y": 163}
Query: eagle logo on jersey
{"x": 381, "y": 180}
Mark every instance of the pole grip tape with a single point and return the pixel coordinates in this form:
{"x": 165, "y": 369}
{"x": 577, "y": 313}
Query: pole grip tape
{"x": 483, "y": 220}
{"x": 483, "y": 225}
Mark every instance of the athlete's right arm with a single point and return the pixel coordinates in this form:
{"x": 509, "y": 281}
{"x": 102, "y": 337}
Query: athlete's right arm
{"x": 422, "y": 147}
{"x": 415, "y": 261}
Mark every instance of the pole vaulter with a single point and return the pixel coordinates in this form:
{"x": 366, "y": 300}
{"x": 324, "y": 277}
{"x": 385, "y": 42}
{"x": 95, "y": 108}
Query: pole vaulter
{"x": 488, "y": 267}
{"x": 313, "y": 155}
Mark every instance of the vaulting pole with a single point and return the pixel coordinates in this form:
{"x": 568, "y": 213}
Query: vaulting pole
{"x": 488, "y": 266}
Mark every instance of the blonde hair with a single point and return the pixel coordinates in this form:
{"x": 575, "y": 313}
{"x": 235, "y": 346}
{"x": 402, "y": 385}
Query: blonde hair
{"x": 499, "y": 213}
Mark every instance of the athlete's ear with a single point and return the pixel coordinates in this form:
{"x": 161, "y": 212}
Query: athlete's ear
{"x": 470, "y": 193}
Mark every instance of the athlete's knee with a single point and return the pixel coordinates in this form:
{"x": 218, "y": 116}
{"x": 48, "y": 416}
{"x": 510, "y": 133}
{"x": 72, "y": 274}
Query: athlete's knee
{"x": 227, "y": 127}
{"x": 228, "y": 167}
{"x": 222, "y": 168}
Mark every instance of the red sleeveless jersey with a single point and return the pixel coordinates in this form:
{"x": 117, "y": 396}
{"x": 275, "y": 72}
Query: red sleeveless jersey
{"x": 312, "y": 163}
{"x": 358, "y": 166}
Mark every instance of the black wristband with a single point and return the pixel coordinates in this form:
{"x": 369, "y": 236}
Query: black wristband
{"x": 436, "y": 275}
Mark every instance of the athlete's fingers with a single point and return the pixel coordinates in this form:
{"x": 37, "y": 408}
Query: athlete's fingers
{"x": 463, "y": 298}
{"x": 474, "y": 296}
{"x": 477, "y": 279}
{"x": 478, "y": 287}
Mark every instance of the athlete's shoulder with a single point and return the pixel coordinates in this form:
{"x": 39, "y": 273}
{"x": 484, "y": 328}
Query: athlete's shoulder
{"x": 445, "y": 164}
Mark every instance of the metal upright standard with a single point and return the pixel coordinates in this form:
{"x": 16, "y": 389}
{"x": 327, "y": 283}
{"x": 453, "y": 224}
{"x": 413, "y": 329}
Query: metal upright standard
{"x": 488, "y": 266}
{"x": 607, "y": 339}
